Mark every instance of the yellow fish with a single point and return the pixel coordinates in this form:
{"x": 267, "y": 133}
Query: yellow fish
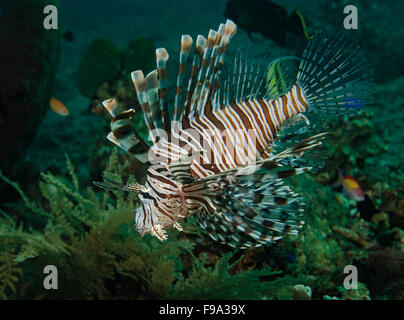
{"x": 58, "y": 107}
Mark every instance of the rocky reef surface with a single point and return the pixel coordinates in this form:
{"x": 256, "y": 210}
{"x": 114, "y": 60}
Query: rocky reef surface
{"x": 58, "y": 217}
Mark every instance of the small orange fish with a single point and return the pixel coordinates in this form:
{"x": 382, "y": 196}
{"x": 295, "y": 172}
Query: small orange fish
{"x": 58, "y": 107}
{"x": 352, "y": 189}
{"x": 350, "y": 186}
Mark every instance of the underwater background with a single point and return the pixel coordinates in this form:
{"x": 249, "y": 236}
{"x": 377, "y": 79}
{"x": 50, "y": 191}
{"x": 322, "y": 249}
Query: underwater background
{"x": 53, "y": 145}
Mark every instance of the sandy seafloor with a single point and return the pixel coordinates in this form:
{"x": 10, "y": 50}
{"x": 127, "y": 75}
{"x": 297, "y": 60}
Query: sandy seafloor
{"x": 164, "y": 22}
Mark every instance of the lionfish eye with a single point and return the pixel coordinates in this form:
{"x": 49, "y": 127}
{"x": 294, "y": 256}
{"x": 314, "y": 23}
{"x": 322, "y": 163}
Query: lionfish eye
{"x": 146, "y": 195}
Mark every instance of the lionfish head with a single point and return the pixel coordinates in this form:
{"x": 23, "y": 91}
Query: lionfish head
{"x": 154, "y": 213}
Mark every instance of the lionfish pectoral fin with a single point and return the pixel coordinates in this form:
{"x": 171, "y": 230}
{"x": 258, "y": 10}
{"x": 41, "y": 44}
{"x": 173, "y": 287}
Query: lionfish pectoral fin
{"x": 253, "y": 205}
{"x": 300, "y": 144}
{"x": 159, "y": 232}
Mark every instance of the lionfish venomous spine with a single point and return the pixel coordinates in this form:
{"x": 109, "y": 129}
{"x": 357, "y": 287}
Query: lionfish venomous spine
{"x": 233, "y": 136}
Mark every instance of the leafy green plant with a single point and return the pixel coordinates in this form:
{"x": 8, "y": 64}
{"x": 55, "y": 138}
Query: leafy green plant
{"x": 216, "y": 282}
{"x": 89, "y": 236}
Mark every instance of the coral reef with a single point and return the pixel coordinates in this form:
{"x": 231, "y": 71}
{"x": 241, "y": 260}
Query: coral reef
{"x": 384, "y": 272}
{"x": 90, "y": 238}
{"x": 301, "y": 292}
{"x": 89, "y": 234}
{"x": 92, "y": 231}
{"x": 361, "y": 293}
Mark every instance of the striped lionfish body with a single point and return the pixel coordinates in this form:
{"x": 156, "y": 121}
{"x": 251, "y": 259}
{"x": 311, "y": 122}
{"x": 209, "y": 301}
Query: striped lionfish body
{"x": 232, "y": 138}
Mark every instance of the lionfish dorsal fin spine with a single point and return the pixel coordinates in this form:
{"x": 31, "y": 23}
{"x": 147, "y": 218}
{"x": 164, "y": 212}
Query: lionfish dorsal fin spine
{"x": 111, "y": 106}
{"x": 139, "y": 82}
{"x": 161, "y": 62}
{"x": 122, "y": 134}
{"x": 207, "y": 63}
{"x": 196, "y": 63}
{"x": 245, "y": 79}
{"x": 210, "y": 72}
{"x": 228, "y": 32}
{"x": 198, "y": 95}
{"x": 186, "y": 45}
{"x": 240, "y": 73}
{"x": 152, "y": 95}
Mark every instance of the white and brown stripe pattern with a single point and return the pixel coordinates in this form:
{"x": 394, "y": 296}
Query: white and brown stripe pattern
{"x": 186, "y": 45}
{"x": 122, "y": 132}
{"x": 161, "y": 61}
{"x": 240, "y": 133}
{"x": 221, "y": 159}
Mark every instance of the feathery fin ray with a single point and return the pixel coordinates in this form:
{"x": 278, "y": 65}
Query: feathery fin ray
{"x": 246, "y": 204}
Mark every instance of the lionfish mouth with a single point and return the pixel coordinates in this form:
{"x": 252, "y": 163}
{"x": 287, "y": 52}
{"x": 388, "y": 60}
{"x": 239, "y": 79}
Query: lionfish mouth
{"x": 116, "y": 186}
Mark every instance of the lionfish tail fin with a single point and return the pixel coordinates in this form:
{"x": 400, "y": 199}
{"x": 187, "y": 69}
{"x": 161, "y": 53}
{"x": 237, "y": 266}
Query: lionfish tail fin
{"x": 334, "y": 76}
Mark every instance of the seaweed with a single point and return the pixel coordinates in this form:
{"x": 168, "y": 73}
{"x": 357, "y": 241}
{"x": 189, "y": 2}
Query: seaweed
{"x": 9, "y": 270}
{"x": 88, "y": 234}
{"x": 216, "y": 282}
{"x": 90, "y": 238}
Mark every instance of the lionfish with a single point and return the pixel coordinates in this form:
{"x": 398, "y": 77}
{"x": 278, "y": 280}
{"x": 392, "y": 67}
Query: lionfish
{"x": 233, "y": 137}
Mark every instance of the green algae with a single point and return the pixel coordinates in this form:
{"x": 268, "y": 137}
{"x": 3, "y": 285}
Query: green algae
{"x": 90, "y": 237}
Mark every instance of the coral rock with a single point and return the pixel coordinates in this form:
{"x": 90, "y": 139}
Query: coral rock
{"x": 301, "y": 292}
